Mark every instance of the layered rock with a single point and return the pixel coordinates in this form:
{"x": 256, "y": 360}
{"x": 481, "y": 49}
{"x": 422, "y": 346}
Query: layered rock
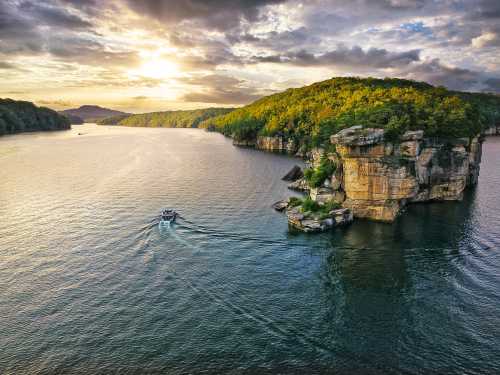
{"x": 379, "y": 177}
{"x": 493, "y": 130}
{"x": 313, "y": 222}
{"x": 300, "y": 185}
{"x": 243, "y": 143}
{"x": 276, "y": 144}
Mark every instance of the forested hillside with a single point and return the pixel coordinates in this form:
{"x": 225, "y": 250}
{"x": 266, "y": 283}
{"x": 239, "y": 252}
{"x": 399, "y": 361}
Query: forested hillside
{"x": 167, "y": 119}
{"x": 310, "y": 114}
{"x": 20, "y": 116}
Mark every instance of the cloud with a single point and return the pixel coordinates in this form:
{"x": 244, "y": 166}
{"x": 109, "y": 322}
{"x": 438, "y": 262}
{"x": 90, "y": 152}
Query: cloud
{"x": 487, "y": 39}
{"x": 221, "y": 96}
{"x": 436, "y": 73}
{"x": 89, "y": 52}
{"x": 218, "y": 15}
{"x": 55, "y": 103}
{"x": 485, "y": 10}
{"x": 5, "y": 65}
{"x": 234, "y": 51}
{"x": 219, "y": 89}
{"x": 52, "y": 15}
{"x": 354, "y": 57}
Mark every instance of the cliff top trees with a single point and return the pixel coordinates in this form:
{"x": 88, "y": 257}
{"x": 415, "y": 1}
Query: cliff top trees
{"x": 312, "y": 113}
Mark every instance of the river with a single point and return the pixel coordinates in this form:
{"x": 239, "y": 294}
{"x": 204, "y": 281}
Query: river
{"x": 90, "y": 284}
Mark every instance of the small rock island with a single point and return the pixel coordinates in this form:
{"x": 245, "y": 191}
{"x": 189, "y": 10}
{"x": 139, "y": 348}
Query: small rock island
{"x": 364, "y": 175}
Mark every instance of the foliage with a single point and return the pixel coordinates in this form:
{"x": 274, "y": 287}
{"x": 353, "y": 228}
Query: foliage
{"x": 309, "y": 205}
{"x": 168, "y": 119}
{"x": 113, "y": 120}
{"x": 20, "y": 116}
{"x": 316, "y": 176}
{"x": 311, "y": 114}
{"x": 294, "y": 202}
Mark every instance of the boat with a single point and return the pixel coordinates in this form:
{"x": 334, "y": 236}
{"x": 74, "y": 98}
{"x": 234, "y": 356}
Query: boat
{"x": 168, "y": 216}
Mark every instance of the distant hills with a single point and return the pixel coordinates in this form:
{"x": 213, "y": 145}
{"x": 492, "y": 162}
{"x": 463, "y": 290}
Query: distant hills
{"x": 20, "y": 116}
{"x": 166, "y": 119}
{"x": 90, "y": 113}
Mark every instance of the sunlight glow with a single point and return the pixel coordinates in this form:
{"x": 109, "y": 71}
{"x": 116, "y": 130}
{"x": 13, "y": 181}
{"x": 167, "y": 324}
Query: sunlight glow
{"x": 157, "y": 68}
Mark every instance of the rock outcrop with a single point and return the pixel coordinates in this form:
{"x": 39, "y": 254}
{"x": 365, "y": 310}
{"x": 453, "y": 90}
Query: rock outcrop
{"x": 294, "y": 174}
{"x": 493, "y": 130}
{"x": 276, "y": 144}
{"x": 372, "y": 177}
{"x": 300, "y": 185}
{"x": 380, "y": 177}
{"x": 243, "y": 143}
{"x": 313, "y": 222}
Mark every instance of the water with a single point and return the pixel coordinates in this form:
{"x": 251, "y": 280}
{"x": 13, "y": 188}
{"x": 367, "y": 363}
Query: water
{"x": 90, "y": 284}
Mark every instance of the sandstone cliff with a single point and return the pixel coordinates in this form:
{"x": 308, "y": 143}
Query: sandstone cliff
{"x": 493, "y": 130}
{"x": 379, "y": 177}
{"x": 374, "y": 178}
{"x": 276, "y": 144}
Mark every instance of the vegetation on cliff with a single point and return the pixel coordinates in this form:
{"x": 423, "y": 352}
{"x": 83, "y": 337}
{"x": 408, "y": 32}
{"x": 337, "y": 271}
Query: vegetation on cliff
{"x": 310, "y": 115}
{"x": 20, "y": 116}
{"x": 167, "y": 119}
{"x": 316, "y": 176}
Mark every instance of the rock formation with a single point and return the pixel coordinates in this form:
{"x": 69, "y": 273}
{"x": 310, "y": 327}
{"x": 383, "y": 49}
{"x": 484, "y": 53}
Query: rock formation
{"x": 276, "y": 144}
{"x": 312, "y": 222}
{"x": 493, "y": 130}
{"x": 294, "y": 174}
{"x": 380, "y": 177}
{"x": 375, "y": 178}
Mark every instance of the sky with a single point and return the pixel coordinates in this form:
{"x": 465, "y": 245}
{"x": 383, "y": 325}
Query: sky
{"x": 152, "y": 55}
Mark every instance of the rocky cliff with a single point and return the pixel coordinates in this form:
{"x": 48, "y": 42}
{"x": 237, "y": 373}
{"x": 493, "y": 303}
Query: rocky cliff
{"x": 379, "y": 177}
{"x": 493, "y": 130}
{"x": 374, "y": 178}
{"x": 276, "y": 144}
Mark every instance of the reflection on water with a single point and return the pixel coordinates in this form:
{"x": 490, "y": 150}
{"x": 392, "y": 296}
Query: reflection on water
{"x": 90, "y": 283}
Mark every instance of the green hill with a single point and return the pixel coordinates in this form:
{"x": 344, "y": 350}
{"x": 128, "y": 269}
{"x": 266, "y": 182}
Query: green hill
{"x": 167, "y": 119}
{"x": 20, "y": 116}
{"x": 310, "y": 114}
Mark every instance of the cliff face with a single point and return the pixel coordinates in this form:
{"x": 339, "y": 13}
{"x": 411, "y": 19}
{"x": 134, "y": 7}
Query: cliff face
{"x": 276, "y": 144}
{"x": 377, "y": 178}
{"x": 493, "y": 130}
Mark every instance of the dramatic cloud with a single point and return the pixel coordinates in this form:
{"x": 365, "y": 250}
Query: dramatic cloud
{"x": 219, "y": 15}
{"x": 438, "y": 74}
{"x": 353, "y": 58}
{"x": 168, "y": 54}
{"x": 53, "y": 16}
{"x": 220, "y": 89}
{"x": 488, "y": 39}
{"x": 6, "y": 65}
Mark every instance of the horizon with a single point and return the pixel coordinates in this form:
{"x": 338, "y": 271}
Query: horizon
{"x": 162, "y": 55}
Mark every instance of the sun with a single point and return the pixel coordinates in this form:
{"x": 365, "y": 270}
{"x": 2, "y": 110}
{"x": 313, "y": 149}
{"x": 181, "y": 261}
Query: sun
{"x": 157, "y": 68}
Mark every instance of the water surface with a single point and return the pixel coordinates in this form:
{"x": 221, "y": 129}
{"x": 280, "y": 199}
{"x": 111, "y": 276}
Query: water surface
{"x": 90, "y": 284}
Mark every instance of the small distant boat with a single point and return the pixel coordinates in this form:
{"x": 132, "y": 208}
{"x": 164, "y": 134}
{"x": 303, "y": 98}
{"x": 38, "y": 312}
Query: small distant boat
{"x": 167, "y": 217}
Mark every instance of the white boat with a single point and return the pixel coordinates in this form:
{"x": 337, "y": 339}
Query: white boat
{"x": 167, "y": 217}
